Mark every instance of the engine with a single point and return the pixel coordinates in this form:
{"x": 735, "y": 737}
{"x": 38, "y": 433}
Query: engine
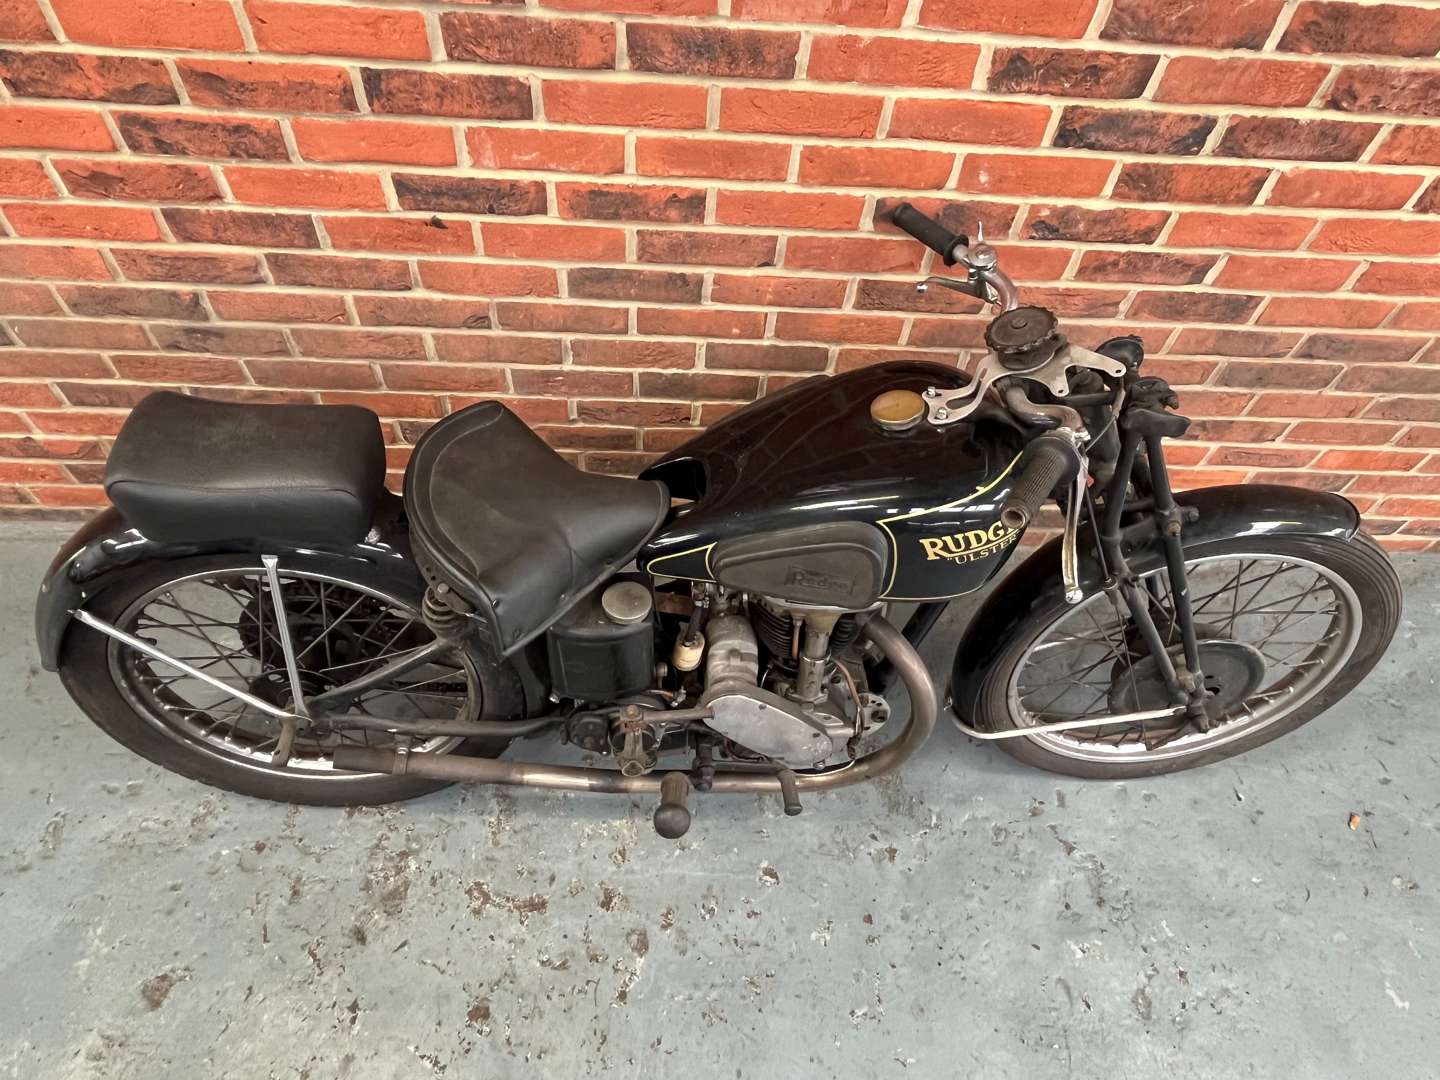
{"x": 802, "y": 728}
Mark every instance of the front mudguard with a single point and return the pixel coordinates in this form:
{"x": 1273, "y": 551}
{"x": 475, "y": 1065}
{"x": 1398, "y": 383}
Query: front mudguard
{"x": 1225, "y": 513}
{"x": 105, "y": 546}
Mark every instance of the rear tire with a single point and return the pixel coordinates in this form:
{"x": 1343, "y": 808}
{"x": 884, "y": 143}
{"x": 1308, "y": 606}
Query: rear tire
{"x": 88, "y": 671}
{"x": 1359, "y": 563}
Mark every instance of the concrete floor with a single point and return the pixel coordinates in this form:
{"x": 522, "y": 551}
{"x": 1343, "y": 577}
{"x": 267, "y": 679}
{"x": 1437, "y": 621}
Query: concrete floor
{"x": 969, "y": 918}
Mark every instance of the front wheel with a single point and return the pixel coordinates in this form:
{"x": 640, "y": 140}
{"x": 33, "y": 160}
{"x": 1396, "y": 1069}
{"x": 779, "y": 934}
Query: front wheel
{"x": 217, "y": 614}
{"x": 1287, "y": 627}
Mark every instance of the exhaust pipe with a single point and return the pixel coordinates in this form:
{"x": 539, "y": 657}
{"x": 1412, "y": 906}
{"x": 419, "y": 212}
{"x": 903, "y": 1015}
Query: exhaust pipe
{"x": 471, "y": 770}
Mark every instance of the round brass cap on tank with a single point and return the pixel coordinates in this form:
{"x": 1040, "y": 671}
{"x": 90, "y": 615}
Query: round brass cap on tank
{"x": 897, "y": 410}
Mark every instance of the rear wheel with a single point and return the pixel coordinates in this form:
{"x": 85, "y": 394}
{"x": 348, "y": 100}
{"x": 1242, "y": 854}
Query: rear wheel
{"x": 1287, "y": 627}
{"x": 217, "y": 614}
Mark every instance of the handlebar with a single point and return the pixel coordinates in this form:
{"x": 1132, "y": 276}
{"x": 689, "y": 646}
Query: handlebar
{"x": 929, "y": 232}
{"x": 1048, "y": 460}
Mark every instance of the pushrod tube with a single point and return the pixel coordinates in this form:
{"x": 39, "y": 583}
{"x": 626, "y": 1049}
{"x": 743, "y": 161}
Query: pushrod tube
{"x": 471, "y": 770}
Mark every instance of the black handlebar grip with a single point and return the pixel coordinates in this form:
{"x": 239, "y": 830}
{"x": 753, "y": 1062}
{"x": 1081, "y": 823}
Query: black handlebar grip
{"x": 928, "y": 231}
{"x": 1048, "y": 460}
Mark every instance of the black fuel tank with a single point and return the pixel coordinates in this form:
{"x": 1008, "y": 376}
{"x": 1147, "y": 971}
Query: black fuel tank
{"x": 811, "y": 454}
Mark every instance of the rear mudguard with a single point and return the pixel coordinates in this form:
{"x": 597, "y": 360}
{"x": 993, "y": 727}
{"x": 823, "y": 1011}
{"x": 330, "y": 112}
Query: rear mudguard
{"x": 105, "y": 546}
{"x": 1225, "y": 513}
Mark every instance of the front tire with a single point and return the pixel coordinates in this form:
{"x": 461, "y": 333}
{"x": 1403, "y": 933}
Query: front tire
{"x": 165, "y": 719}
{"x": 1353, "y": 573}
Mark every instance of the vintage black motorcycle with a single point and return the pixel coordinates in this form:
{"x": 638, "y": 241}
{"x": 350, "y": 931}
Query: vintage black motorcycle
{"x": 259, "y": 613}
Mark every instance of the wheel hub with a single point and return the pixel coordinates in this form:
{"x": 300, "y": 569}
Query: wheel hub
{"x": 1232, "y": 671}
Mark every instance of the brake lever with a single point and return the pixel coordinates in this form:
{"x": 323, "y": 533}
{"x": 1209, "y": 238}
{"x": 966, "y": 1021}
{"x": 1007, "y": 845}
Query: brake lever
{"x": 1069, "y": 543}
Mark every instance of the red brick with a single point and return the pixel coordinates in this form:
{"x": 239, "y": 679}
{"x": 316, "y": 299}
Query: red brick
{"x": 633, "y": 352}
{"x": 131, "y": 79}
{"x": 1369, "y": 460}
{"x": 435, "y": 235}
{"x": 1359, "y": 348}
{"x": 1326, "y": 311}
{"x": 1297, "y": 275}
{"x": 422, "y": 311}
{"x": 327, "y": 188}
{"x": 561, "y": 243}
{"x": 231, "y": 340}
{"x": 44, "y": 128}
{"x": 888, "y": 61}
{"x": 872, "y": 254}
{"x": 873, "y": 166}
{"x": 1070, "y": 72}
{"x": 574, "y": 318}
{"x": 20, "y": 20}
{"x": 569, "y": 151}
{"x": 51, "y": 261}
{"x": 468, "y": 194}
{"x": 106, "y": 301}
{"x": 704, "y": 248}
{"x": 1195, "y": 306}
{"x": 628, "y": 202}
{"x": 152, "y": 24}
{"x": 1204, "y": 80}
{"x": 1419, "y": 279}
{"x": 1260, "y": 457}
{"x": 799, "y": 112}
{"x": 1416, "y": 316}
{"x": 426, "y": 406}
{"x": 1303, "y": 140}
{"x": 1426, "y": 508}
{"x": 574, "y": 437}
{"x": 140, "y": 264}
{"x": 1429, "y": 202}
{"x": 79, "y": 334}
{"x": 1410, "y": 146}
{"x": 1378, "y": 236}
{"x": 82, "y": 222}
{"x": 872, "y": 13}
{"x": 19, "y": 363}
{"x": 1322, "y": 26}
{"x": 1346, "y": 190}
{"x": 1030, "y": 18}
{"x": 22, "y": 299}
{"x": 344, "y": 30}
{"x": 1217, "y": 24}
{"x": 279, "y": 307}
{"x": 1149, "y": 267}
{"x": 24, "y": 180}
{"x": 1133, "y": 131}
{"x": 1028, "y": 262}
{"x": 432, "y": 93}
{"x": 745, "y": 357}
{"x": 1277, "y": 375}
{"x": 1156, "y": 182}
{"x": 569, "y": 383}
{"x": 250, "y": 84}
{"x": 179, "y": 369}
{"x": 711, "y": 50}
{"x": 999, "y": 123}
{"x": 700, "y": 386}
{"x": 659, "y": 105}
{"x": 1268, "y": 231}
{"x": 333, "y": 272}
{"x": 389, "y": 141}
{"x": 859, "y": 329}
{"x": 729, "y": 158}
{"x": 601, "y": 283}
{"x": 710, "y": 323}
{"x": 76, "y": 495}
{"x": 874, "y": 294}
{"x": 245, "y": 228}
{"x": 358, "y": 344}
{"x": 788, "y": 209}
{"x": 485, "y": 279}
{"x": 637, "y": 7}
{"x": 1372, "y": 89}
{"x": 1115, "y": 226}
{"x": 514, "y": 39}
{"x": 769, "y": 290}
{"x": 141, "y": 181}
{"x": 312, "y": 374}
{"x": 1010, "y": 174}
{"x": 473, "y": 348}
{"x": 1330, "y": 432}
{"x": 957, "y": 216}
{"x": 202, "y": 136}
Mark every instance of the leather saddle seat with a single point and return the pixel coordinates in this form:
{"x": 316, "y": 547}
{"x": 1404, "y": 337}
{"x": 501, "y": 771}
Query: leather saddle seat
{"x": 187, "y": 469}
{"x": 512, "y": 527}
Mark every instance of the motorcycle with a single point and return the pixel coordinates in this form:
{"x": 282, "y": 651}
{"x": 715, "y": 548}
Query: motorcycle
{"x": 257, "y": 612}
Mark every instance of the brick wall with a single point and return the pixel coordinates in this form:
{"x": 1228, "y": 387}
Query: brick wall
{"x": 626, "y": 216}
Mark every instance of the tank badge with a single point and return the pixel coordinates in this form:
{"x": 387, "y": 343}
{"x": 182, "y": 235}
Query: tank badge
{"x": 970, "y": 545}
